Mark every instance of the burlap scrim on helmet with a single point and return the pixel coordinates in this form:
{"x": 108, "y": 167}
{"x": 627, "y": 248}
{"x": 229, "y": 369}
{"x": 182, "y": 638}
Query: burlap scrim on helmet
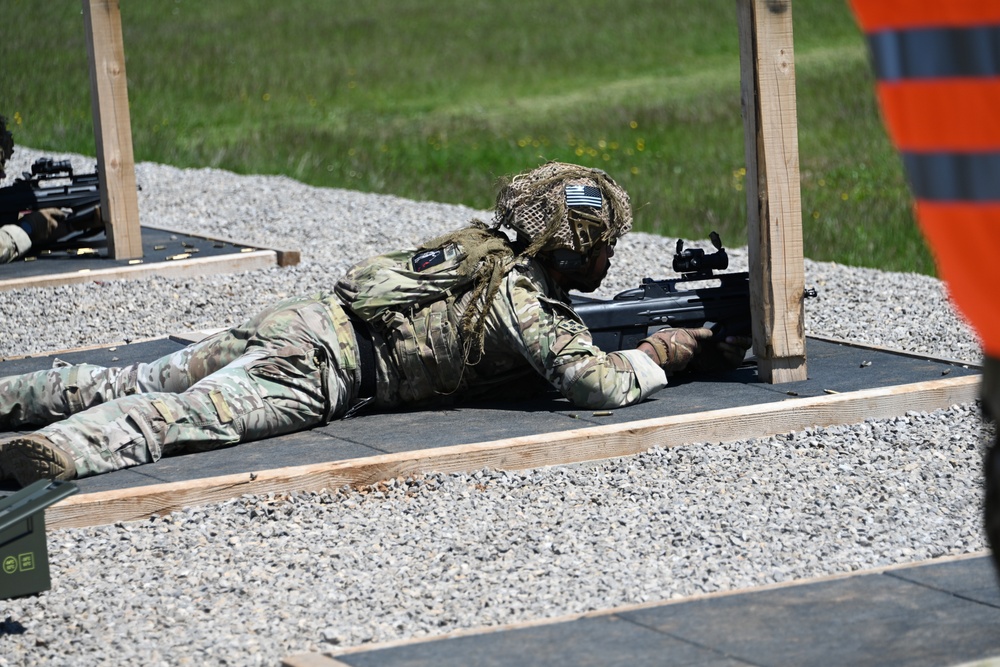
{"x": 534, "y": 205}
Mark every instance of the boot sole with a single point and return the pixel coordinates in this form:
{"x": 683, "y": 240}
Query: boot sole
{"x": 28, "y": 460}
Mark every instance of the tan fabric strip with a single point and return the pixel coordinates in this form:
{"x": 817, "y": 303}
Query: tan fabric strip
{"x": 164, "y": 411}
{"x": 225, "y": 414}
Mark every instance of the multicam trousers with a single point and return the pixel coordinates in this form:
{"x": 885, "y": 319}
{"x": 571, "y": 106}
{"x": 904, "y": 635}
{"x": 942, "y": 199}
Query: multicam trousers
{"x": 287, "y": 369}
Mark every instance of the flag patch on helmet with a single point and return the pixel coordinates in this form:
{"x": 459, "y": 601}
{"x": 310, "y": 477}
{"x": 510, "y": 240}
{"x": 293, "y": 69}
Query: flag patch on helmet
{"x": 583, "y": 195}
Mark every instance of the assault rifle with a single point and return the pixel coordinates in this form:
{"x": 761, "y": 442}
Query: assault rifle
{"x": 31, "y": 192}
{"x": 621, "y": 322}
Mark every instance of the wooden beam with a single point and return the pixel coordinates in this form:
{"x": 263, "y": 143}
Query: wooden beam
{"x": 585, "y": 444}
{"x": 112, "y": 128}
{"x": 774, "y": 209}
{"x": 181, "y": 268}
{"x": 311, "y": 660}
{"x": 257, "y": 257}
{"x": 286, "y": 256}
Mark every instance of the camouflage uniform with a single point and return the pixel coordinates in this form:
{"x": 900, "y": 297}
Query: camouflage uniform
{"x": 474, "y": 314}
{"x": 531, "y": 331}
{"x": 296, "y": 365}
{"x": 290, "y": 367}
{"x": 14, "y": 243}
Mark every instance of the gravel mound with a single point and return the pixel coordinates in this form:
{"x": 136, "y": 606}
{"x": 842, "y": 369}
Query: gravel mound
{"x": 252, "y": 580}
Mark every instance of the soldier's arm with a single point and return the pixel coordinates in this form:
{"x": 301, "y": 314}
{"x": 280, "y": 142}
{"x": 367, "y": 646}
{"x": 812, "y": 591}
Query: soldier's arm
{"x": 14, "y": 243}
{"x": 560, "y": 348}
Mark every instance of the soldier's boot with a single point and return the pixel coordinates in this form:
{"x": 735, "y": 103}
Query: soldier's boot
{"x": 29, "y": 458}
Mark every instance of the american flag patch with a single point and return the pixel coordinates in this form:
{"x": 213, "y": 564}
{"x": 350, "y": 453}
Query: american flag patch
{"x": 583, "y": 195}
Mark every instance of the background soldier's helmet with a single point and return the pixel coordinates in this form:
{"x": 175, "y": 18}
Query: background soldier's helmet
{"x": 563, "y": 207}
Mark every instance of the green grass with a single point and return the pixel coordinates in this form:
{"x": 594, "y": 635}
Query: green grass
{"x": 437, "y": 100}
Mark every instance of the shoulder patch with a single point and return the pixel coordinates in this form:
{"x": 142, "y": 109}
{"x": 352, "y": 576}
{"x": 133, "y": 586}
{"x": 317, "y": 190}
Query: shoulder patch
{"x": 572, "y": 326}
{"x": 427, "y": 259}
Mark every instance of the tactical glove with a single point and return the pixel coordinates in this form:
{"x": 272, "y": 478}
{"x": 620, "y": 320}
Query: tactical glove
{"x": 675, "y": 348}
{"x": 721, "y": 355}
{"x": 42, "y": 224}
{"x": 88, "y": 223}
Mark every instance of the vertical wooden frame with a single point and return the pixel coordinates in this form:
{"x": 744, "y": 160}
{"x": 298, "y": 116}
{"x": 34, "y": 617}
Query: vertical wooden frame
{"x": 112, "y": 128}
{"x": 774, "y": 208}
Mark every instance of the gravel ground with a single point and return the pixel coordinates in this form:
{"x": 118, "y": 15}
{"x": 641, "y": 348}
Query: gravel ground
{"x": 252, "y": 580}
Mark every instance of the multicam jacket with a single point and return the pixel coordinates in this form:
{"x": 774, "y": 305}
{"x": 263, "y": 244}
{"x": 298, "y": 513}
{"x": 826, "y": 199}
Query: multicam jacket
{"x": 14, "y": 242}
{"x": 531, "y": 333}
{"x": 299, "y": 363}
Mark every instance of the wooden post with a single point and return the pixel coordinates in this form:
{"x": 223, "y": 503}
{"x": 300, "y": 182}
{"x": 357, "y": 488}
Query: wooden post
{"x": 774, "y": 209}
{"x": 112, "y": 128}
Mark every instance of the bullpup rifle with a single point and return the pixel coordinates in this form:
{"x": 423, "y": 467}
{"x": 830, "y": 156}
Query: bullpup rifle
{"x": 80, "y": 193}
{"x": 685, "y": 302}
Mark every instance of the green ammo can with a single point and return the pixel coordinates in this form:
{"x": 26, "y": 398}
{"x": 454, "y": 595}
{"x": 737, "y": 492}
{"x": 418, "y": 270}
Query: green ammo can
{"x": 24, "y": 552}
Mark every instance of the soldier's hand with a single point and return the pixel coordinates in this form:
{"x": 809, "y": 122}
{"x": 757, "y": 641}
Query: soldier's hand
{"x": 726, "y": 354}
{"x": 42, "y": 224}
{"x": 734, "y": 349}
{"x": 87, "y": 223}
{"x": 673, "y": 349}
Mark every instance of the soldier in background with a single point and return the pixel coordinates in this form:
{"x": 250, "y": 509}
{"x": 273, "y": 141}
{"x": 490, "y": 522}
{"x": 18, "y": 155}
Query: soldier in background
{"x": 35, "y": 228}
{"x": 479, "y": 312}
{"x": 937, "y": 66}
{"x": 31, "y": 230}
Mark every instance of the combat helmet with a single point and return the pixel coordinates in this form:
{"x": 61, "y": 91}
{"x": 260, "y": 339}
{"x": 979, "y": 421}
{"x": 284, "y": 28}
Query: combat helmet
{"x": 563, "y": 211}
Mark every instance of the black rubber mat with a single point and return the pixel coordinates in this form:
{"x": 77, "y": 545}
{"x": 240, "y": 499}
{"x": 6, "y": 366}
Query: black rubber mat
{"x": 832, "y": 367}
{"x": 926, "y": 615}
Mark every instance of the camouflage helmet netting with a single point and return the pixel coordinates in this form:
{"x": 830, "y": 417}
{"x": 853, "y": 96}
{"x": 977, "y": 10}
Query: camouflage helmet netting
{"x": 534, "y": 204}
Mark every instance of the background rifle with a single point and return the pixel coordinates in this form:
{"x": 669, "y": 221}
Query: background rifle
{"x": 620, "y": 323}
{"x": 33, "y": 191}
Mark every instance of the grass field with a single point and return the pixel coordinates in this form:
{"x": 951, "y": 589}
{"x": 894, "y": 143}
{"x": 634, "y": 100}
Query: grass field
{"x": 437, "y": 100}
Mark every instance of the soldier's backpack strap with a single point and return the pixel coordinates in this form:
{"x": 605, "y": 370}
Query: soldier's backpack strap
{"x": 366, "y": 355}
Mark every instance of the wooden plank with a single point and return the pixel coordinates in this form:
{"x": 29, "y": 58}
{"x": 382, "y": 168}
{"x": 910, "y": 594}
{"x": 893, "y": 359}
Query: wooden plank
{"x": 286, "y": 256}
{"x": 255, "y": 257}
{"x": 774, "y": 209}
{"x": 112, "y": 127}
{"x": 585, "y": 444}
{"x": 202, "y": 266}
{"x": 311, "y": 660}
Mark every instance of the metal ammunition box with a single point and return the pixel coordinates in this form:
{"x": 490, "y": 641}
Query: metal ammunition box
{"x": 24, "y": 553}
